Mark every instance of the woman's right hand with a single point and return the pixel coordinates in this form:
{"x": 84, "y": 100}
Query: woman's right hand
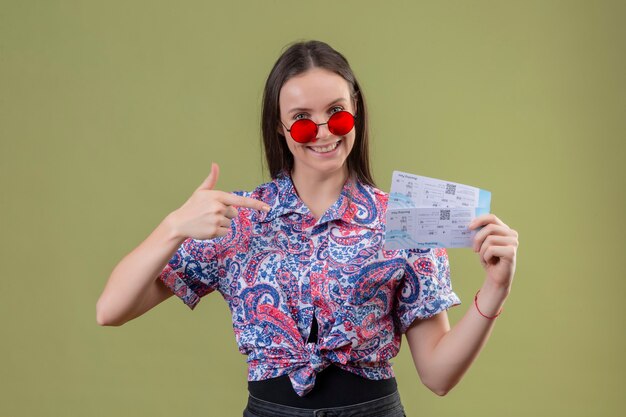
{"x": 207, "y": 213}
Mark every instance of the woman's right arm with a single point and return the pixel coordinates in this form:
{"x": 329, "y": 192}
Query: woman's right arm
{"x": 133, "y": 287}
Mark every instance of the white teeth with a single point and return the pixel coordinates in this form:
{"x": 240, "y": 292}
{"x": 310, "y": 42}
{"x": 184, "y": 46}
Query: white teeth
{"x": 326, "y": 148}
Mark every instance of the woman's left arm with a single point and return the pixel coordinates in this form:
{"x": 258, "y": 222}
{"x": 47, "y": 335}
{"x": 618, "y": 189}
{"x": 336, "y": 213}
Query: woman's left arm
{"x": 442, "y": 356}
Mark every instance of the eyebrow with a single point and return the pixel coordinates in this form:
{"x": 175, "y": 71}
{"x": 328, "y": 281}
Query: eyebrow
{"x": 295, "y": 109}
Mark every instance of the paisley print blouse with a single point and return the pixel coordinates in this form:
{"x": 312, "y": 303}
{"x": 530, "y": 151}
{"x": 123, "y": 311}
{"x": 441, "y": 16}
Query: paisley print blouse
{"x": 277, "y": 270}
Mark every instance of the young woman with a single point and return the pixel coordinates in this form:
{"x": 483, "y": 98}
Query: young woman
{"x": 317, "y": 305}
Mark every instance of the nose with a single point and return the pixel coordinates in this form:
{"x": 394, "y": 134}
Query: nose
{"x": 322, "y": 131}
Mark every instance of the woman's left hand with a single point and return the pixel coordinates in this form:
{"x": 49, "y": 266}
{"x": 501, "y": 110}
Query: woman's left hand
{"x": 497, "y": 245}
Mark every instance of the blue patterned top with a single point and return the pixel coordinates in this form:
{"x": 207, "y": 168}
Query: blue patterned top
{"x": 276, "y": 270}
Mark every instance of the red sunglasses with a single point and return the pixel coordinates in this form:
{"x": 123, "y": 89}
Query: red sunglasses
{"x": 305, "y": 130}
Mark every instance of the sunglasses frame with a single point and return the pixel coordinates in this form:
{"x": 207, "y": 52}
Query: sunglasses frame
{"x": 317, "y": 125}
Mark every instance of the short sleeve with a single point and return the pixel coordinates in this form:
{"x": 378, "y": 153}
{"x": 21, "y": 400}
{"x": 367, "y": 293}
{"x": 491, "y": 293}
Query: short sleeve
{"x": 193, "y": 271}
{"x": 425, "y": 289}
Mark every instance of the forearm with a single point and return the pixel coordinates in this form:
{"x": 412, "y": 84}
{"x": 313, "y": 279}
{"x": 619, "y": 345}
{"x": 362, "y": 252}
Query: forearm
{"x": 458, "y": 348}
{"x": 135, "y": 273}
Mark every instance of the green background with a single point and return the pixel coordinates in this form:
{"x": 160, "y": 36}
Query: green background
{"x": 112, "y": 112}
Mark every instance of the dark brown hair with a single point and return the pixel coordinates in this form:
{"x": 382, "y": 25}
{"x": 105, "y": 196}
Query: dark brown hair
{"x": 297, "y": 59}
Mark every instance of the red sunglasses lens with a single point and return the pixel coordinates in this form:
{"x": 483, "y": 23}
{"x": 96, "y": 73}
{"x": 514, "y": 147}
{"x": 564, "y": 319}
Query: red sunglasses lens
{"x": 303, "y": 130}
{"x": 340, "y": 123}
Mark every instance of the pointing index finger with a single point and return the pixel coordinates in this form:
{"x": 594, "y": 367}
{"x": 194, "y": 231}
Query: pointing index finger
{"x": 236, "y": 200}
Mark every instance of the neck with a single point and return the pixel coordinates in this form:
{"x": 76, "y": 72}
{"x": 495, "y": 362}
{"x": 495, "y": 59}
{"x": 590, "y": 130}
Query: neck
{"x": 319, "y": 190}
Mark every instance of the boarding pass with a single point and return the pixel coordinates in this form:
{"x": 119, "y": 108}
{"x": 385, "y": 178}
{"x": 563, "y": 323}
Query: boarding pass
{"x": 425, "y": 212}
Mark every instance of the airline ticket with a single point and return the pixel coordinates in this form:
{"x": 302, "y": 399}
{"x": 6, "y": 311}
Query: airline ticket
{"x": 428, "y": 213}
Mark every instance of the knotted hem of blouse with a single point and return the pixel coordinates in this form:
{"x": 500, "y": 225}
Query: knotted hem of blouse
{"x": 302, "y": 367}
{"x": 310, "y": 359}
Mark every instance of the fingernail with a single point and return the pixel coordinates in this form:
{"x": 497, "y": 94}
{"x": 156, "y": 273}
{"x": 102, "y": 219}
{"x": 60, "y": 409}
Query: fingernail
{"x": 266, "y": 208}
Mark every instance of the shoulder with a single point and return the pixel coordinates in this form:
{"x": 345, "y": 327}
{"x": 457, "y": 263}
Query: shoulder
{"x": 372, "y": 193}
{"x": 377, "y": 193}
{"x": 370, "y": 205}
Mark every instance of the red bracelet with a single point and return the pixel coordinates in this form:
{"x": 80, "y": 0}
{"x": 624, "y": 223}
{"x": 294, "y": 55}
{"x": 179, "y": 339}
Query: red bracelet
{"x": 476, "y": 304}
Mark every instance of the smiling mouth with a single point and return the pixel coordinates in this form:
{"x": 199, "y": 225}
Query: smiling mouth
{"x": 325, "y": 149}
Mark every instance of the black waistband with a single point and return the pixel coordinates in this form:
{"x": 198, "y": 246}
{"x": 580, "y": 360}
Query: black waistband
{"x": 389, "y": 405}
{"x": 334, "y": 387}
